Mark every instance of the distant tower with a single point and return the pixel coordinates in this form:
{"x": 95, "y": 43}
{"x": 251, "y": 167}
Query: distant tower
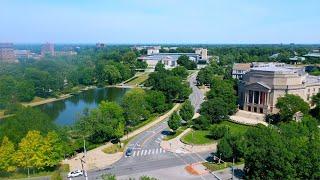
{"x": 202, "y": 52}
{"x": 47, "y": 49}
{"x": 7, "y": 53}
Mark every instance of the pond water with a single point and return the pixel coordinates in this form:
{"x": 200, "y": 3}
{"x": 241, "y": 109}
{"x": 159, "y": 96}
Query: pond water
{"x": 68, "y": 111}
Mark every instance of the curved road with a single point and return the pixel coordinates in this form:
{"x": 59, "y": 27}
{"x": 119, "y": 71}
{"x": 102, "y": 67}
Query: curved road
{"x": 147, "y": 153}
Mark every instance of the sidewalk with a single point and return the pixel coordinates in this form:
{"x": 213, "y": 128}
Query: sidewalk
{"x": 97, "y": 159}
{"x": 176, "y": 146}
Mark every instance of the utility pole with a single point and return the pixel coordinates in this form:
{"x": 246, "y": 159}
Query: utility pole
{"x": 232, "y": 168}
{"x": 83, "y": 159}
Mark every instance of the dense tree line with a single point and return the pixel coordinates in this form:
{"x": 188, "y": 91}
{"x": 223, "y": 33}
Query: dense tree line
{"x": 34, "y": 152}
{"x": 220, "y": 100}
{"x": 52, "y": 76}
{"x": 171, "y": 83}
{"x": 110, "y": 121}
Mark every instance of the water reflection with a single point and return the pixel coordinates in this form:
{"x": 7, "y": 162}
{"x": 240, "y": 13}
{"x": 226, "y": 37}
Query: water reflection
{"x": 68, "y": 111}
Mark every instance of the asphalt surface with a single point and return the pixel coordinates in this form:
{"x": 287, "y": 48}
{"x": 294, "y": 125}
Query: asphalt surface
{"x": 148, "y": 155}
{"x": 196, "y": 97}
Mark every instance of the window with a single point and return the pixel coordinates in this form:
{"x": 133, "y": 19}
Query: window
{"x": 255, "y": 109}
{"x": 249, "y": 108}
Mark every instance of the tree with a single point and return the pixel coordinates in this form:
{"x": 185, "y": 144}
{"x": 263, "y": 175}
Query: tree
{"x": 159, "y": 67}
{"x": 175, "y": 121}
{"x": 103, "y": 124}
{"x": 53, "y": 149}
{"x": 156, "y": 101}
{"x": 231, "y": 146}
{"x": 289, "y": 105}
{"x": 30, "y": 154}
{"x": 135, "y": 106}
{"x": 129, "y": 58}
{"x": 218, "y": 131}
{"x": 111, "y": 74}
{"x": 185, "y": 61}
{"x": 223, "y": 89}
{"x": 215, "y": 110}
{"x": 7, "y": 151}
{"x": 187, "y": 111}
{"x": 24, "y": 120}
{"x": 180, "y": 71}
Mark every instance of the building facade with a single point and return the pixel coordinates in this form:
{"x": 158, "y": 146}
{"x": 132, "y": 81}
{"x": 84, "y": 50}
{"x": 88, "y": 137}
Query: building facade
{"x": 7, "y": 53}
{"x": 170, "y": 59}
{"x": 262, "y": 86}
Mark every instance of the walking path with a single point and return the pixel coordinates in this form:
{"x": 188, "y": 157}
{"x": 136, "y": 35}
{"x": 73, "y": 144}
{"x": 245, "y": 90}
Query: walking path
{"x": 97, "y": 159}
{"x": 176, "y": 146}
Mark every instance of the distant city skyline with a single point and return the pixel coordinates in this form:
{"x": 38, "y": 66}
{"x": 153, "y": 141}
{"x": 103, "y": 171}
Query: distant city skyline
{"x": 163, "y": 22}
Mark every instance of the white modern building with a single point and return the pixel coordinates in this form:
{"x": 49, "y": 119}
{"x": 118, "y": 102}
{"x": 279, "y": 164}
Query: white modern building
{"x": 170, "y": 59}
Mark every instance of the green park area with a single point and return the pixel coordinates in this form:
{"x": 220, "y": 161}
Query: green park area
{"x": 201, "y": 137}
{"x": 138, "y": 79}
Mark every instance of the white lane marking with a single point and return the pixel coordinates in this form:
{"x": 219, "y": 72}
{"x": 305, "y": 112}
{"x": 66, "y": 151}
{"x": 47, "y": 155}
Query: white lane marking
{"x": 134, "y": 153}
{"x": 142, "y": 153}
{"x": 160, "y": 151}
{"x": 138, "y": 152}
{"x": 149, "y": 152}
{"x": 158, "y": 142}
{"x": 157, "y": 151}
{"x": 159, "y": 139}
{"x": 152, "y": 151}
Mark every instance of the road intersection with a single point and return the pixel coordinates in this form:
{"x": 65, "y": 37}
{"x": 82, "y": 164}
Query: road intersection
{"x": 147, "y": 153}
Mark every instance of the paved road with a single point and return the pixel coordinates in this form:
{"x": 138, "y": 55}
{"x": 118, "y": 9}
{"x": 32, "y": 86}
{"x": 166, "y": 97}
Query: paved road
{"x": 147, "y": 153}
{"x": 196, "y": 97}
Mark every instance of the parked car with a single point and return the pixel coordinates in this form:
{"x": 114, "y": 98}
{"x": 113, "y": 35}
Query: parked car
{"x": 75, "y": 173}
{"x": 129, "y": 152}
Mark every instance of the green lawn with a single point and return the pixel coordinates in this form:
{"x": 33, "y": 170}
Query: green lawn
{"x": 214, "y": 166}
{"x": 197, "y": 137}
{"x": 203, "y": 136}
{"x": 236, "y": 129}
{"x": 139, "y": 79}
{"x": 177, "y": 133}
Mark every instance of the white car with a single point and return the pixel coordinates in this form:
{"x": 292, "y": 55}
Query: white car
{"x": 75, "y": 173}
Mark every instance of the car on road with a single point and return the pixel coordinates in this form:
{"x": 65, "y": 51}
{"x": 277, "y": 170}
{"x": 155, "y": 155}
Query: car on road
{"x": 129, "y": 152}
{"x": 75, "y": 173}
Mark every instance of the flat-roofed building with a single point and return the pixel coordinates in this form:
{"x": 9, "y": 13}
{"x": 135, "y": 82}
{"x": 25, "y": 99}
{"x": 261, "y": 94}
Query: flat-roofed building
{"x": 7, "y": 53}
{"x": 262, "y": 86}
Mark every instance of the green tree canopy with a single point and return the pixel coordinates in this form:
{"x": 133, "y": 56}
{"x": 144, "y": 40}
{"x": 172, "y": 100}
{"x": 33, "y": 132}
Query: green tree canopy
{"x": 187, "y": 111}
{"x": 102, "y": 124}
{"x": 135, "y": 106}
{"x": 289, "y": 105}
{"x": 184, "y": 60}
{"x": 175, "y": 121}
{"x": 7, "y": 152}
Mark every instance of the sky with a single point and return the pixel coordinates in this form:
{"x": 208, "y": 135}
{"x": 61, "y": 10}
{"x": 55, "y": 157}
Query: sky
{"x": 160, "y": 21}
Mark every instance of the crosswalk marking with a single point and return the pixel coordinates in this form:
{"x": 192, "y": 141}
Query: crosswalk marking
{"x": 147, "y": 152}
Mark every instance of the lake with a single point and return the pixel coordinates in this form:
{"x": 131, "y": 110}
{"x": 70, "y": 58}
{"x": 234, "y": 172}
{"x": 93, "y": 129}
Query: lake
{"x": 67, "y": 111}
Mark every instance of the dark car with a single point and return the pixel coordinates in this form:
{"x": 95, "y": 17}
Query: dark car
{"x": 129, "y": 152}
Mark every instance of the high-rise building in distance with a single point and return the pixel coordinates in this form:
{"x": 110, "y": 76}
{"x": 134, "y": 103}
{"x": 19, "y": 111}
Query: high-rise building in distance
{"x": 47, "y": 49}
{"x": 7, "y": 53}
